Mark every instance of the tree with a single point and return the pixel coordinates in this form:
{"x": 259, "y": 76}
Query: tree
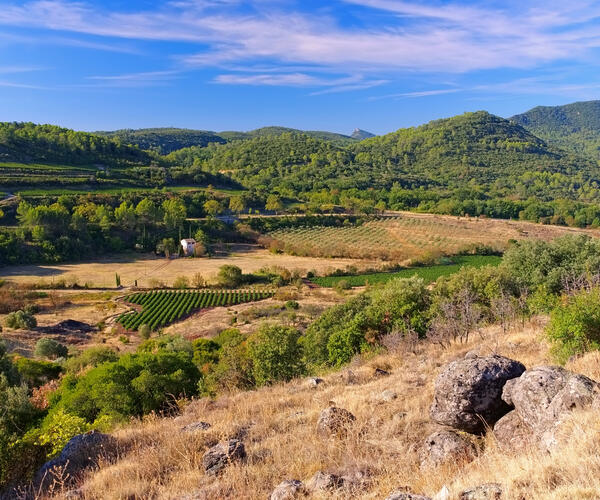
{"x": 212, "y": 208}
{"x": 275, "y": 354}
{"x": 168, "y": 246}
{"x": 236, "y": 204}
{"x": 125, "y": 216}
{"x": 147, "y": 211}
{"x": 20, "y": 319}
{"x": 50, "y": 348}
{"x": 230, "y": 276}
{"x": 274, "y": 203}
{"x": 175, "y": 213}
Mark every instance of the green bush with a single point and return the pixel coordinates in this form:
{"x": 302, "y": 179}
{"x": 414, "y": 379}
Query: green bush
{"x": 276, "y": 354}
{"x": 574, "y": 326}
{"x": 206, "y": 353}
{"x": 292, "y": 305}
{"x": 20, "y": 319}
{"x": 134, "y": 385}
{"x": 50, "y": 348}
{"x": 230, "y": 276}
{"x": 90, "y": 358}
{"x": 35, "y": 372}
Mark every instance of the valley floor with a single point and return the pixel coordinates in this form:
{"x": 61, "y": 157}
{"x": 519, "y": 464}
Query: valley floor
{"x": 278, "y": 427}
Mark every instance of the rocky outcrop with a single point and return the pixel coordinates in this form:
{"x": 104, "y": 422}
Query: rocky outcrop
{"x": 334, "y": 421}
{"x": 444, "y": 446}
{"x": 468, "y": 392}
{"x": 490, "y": 491}
{"x": 217, "y": 458}
{"x": 80, "y": 453}
{"x": 288, "y": 490}
{"x": 543, "y": 398}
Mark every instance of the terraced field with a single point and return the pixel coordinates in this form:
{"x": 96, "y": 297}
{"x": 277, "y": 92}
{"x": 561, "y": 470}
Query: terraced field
{"x": 162, "y": 307}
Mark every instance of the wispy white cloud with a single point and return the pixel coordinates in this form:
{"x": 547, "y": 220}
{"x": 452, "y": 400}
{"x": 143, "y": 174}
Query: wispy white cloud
{"x": 442, "y": 37}
{"x": 421, "y": 93}
{"x": 142, "y": 79}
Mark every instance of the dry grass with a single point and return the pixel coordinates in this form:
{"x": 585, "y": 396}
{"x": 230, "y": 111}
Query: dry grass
{"x": 278, "y": 427}
{"x": 148, "y": 269}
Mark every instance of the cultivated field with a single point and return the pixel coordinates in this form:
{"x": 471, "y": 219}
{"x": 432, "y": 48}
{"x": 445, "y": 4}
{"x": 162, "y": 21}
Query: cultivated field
{"x": 148, "y": 269}
{"x": 409, "y": 236}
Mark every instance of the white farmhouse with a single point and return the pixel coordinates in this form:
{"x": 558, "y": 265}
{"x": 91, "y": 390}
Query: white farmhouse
{"x": 188, "y": 244}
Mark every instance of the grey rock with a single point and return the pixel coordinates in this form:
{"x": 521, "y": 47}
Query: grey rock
{"x": 511, "y": 432}
{"x": 468, "y": 392}
{"x": 196, "y": 426}
{"x": 334, "y": 421}
{"x": 490, "y": 491}
{"x": 314, "y": 382}
{"x": 444, "y": 446}
{"x": 402, "y": 495}
{"x": 80, "y": 453}
{"x": 288, "y": 490}
{"x": 323, "y": 481}
{"x": 217, "y": 458}
{"x": 387, "y": 396}
{"x": 532, "y": 393}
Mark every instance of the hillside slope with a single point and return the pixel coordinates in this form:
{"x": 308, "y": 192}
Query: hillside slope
{"x": 380, "y": 454}
{"x": 28, "y": 142}
{"x": 574, "y": 127}
{"x": 466, "y": 150}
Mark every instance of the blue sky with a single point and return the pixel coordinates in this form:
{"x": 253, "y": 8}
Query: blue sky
{"x": 332, "y": 65}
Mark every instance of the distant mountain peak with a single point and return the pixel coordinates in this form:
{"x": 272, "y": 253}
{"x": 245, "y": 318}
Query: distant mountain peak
{"x": 361, "y": 134}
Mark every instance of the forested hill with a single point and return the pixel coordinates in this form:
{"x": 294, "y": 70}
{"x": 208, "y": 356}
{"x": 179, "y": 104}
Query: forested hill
{"x": 466, "y": 150}
{"x": 574, "y": 127}
{"x": 164, "y": 140}
{"x": 27, "y": 142}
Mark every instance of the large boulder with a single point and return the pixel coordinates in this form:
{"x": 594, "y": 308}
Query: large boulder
{"x": 334, "y": 421}
{"x": 445, "y": 446}
{"x": 80, "y": 453}
{"x": 217, "y": 458}
{"x": 543, "y": 398}
{"x": 468, "y": 392}
{"x": 511, "y": 432}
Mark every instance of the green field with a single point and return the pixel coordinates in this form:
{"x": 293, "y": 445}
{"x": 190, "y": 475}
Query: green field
{"x": 119, "y": 190}
{"x": 429, "y": 273}
{"x": 163, "y": 307}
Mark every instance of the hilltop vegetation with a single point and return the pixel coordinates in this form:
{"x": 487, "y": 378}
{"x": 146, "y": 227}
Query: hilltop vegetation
{"x": 573, "y": 127}
{"x": 164, "y": 140}
{"x": 27, "y": 142}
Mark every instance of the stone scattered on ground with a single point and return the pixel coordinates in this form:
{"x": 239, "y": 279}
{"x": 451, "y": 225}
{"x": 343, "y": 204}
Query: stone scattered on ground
{"x": 314, "y": 382}
{"x": 334, "y": 421}
{"x": 288, "y": 490}
{"x": 490, "y": 491}
{"x": 446, "y": 446}
{"x": 468, "y": 392}
{"x": 196, "y": 426}
{"x": 323, "y": 481}
{"x": 80, "y": 453}
{"x": 387, "y": 396}
{"x": 403, "y": 495}
{"x": 217, "y": 458}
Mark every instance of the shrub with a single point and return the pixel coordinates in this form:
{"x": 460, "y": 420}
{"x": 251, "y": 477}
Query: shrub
{"x": 181, "y": 282}
{"x": 292, "y": 305}
{"x": 50, "y": 348}
{"x": 134, "y": 385}
{"x": 20, "y": 319}
{"x": 90, "y": 358}
{"x": 275, "y": 354}
{"x": 145, "y": 331}
{"x": 36, "y": 373}
{"x": 574, "y": 326}
{"x": 230, "y": 276}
